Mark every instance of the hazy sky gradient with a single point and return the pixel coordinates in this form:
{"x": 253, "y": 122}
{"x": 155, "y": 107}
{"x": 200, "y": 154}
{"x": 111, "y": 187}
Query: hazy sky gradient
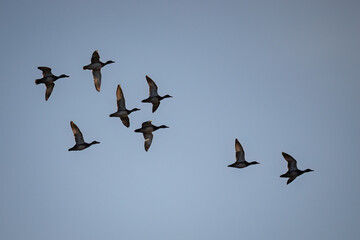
{"x": 277, "y": 75}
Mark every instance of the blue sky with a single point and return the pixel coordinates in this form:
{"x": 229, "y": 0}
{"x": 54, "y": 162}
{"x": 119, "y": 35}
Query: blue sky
{"x": 277, "y": 75}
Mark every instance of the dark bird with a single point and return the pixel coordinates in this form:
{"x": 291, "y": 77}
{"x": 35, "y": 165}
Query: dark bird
{"x": 154, "y": 97}
{"x": 293, "y": 171}
{"x": 80, "y": 144}
{"x": 147, "y": 128}
{"x": 240, "y": 157}
{"x": 122, "y": 112}
{"x": 48, "y": 79}
{"x": 96, "y": 66}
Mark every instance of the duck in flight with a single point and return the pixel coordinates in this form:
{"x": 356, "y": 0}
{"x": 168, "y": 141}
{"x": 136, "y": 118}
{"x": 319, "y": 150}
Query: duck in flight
{"x": 154, "y": 97}
{"x": 48, "y": 79}
{"x": 80, "y": 144}
{"x": 122, "y": 112}
{"x": 147, "y": 129}
{"x": 240, "y": 157}
{"x": 96, "y": 66}
{"x": 293, "y": 171}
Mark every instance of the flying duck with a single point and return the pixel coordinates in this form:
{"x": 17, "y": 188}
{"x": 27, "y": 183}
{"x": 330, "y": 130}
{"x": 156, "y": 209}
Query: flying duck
{"x": 80, "y": 144}
{"x": 154, "y": 97}
{"x": 48, "y": 79}
{"x": 122, "y": 112}
{"x": 96, "y": 66}
{"x": 293, "y": 171}
{"x": 147, "y": 128}
{"x": 240, "y": 157}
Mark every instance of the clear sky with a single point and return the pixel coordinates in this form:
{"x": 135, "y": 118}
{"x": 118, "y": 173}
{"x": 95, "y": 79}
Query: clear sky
{"x": 277, "y": 75}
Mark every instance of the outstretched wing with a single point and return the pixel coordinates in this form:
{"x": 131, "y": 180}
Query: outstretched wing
{"x": 148, "y": 140}
{"x": 77, "y": 133}
{"x": 46, "y": 71}
{"x": 290, "y": 180}
{"x": 95, "y": 58}
{"x": 125, "y": 120}
{"x": 152, "y": 87}
{"x": 239, "y": 152}
{"x": 49, "y": 89}
{"x": 120, "y": 98}
{"x": 292, "y": 164}
{"x": 97, "y": 79}
{"x": 155, "y": 106}
{"x": 146, "y": 124}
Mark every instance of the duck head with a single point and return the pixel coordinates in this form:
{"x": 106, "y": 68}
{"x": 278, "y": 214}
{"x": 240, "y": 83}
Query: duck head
{"x": 254, "y": 162}
{"x": 108, "y": 62}
{"x": 94, "y": 142}
{"x": 63, "y": 76}
{"x": 166, "y": 96}
{"x": 134, "y": 110}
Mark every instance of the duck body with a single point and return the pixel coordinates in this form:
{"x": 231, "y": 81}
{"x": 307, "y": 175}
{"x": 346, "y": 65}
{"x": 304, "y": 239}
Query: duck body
{"x": 93, "y": 66}
{"x": 96, "y": 66}
{"x": 242, "y": 164}
{"x": 240, "y": 157}
{"x": 122, "y": 112}
{"x": 49, "y": 80}
{"x": 147, "y": 129}
{"x": 80, "y": 144}
{"x": 293, "y": 172}
{"x": 154, "y": 98}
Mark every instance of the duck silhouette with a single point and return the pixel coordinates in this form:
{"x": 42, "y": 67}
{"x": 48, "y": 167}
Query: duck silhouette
{"x": 147, "y": 129}
{"x": 293, "y": 172}
{"x": 240, "y": 157}
{"x": 96, "y": 66}
{"x": 80, "y": 144}
{"x": 122, "y": 112}
{"x": 49, "y": 80}
{"x": 154, "y": 97}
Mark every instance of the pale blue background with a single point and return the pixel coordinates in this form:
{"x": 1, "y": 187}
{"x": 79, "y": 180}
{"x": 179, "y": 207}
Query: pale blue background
{"x": 277, "y": 75}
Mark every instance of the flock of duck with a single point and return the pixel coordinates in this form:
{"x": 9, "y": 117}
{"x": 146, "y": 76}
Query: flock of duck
{"x": 147, "y": 127}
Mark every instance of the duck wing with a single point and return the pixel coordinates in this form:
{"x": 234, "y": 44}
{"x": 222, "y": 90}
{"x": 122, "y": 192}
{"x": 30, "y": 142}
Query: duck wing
{"x": 125, "y": 120}
{"x": 146, "y": 124}
{"x": 120, "y": 98}
{"x": 46, "y": 71}
{"x": 95, "y": 58}
{"x": 152, "y": 87}
{"x": 77, "y": 133}
{"x": 97, "y": 79}
{"x": 49, "y": 89}
{"x": 292, "y": 164}
{"x": 239, "y": 152}
{"x": 148, "y": 140}
{"x": 155, "y": 106}
{"x": 290, "y": 180}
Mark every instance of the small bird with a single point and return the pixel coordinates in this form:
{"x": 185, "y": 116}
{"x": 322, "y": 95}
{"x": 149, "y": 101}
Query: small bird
{"x": 96, "y": 66}
{"x": 154, "y": 97}
{"x": 48, "y": 79}
{"x": 293, "y": 171}
{"x": 147, "y": 128}
{"x": 240, "y": 157}
{"x": 122, "y": 112}
{"x": 80, "y": 144}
